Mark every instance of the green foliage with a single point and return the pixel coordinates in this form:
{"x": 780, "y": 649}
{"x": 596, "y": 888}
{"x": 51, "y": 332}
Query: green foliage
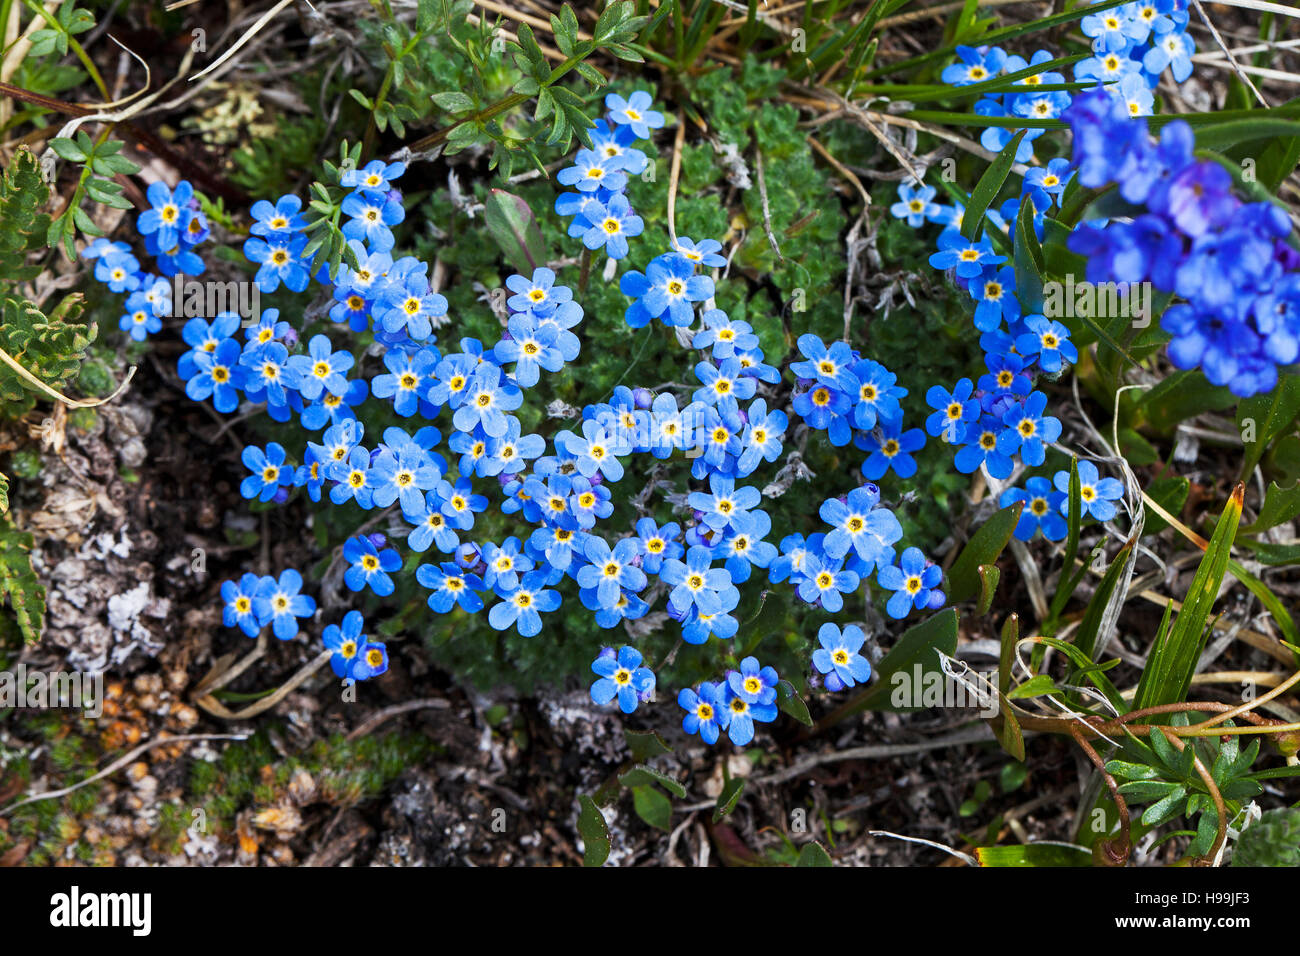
{"x": 1272, "y": 840}
{"x": 23, "y": 225}
{"x": 18, "y": 583}
{"x": 1160, "y": 775}
{"x": 51, "y": 348}
{"x": 99, "y": 160}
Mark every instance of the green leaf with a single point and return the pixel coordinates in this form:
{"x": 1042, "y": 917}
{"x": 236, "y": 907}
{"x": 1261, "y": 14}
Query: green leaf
{"x": 987, "y": 189}
{"x": 1166, "y": 808}
{"x": 643, "y": 776}
{"x": 813, "y": 854}
{"x": 4, "y": 493}
{"x": 984, "y": 547}
{"x": 1262, "y": 418}
{"x": 1036, "y": 686}
{"x": 913, "y": 657}
{"x": 511, "y": 222}
{"x": 19, "y": 584}
{"x": 1172, "y": 661}
{"x": 1280, "y": 505}
{"x": 728, "y": 798}
{"x": 453, "y": 102}
{"x": 68, "y": 149}
{"x": 1090, "y": 627}
{"x": 989, "y": 578}
{"x": 1169, "y": 493}
{"x": 1032, "y": 854}
{"x": 594, "y": 832}
{"x": 1028, "y": 261}
{"x": 789, "y": 702}
{"x": 645, "y": 745}
{"x": 653, "y": 807}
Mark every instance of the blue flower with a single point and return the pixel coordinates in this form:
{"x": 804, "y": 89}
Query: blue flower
{"x": 371, "y": 662}
{"x": 839, "y": 656}
{"x": 269, "y": 472}
{"x": 596, "y": 451}
{"x": 409, "y": 305}
{"x": 169, "y": 213}
{"x": 460, "y": 504}
{"x": 744, "y": 546}
{"x": 321, "y": 369}
{"x": 694, "y": 582}
{"x": 703, "y": 253}
{"x": 611, "y": 569}
{"x": 761, "y": 440}
{"x": 592, "y": 170}
{"x": 1097, "y": 496}
{"x": 860, "y": 526}
{"x": 706, "y": 711}
{"x": 451, "y": 587}
{"x": 621, "y": 676}
{"x": 368, "y": 565}
{"x": 952, "y": 410}
{"x": 824, "y": 579}
{"x": 975, "y": 66}
{"x": 409, "y": 374}
{"x": 1049, "y": 340}
{"x": 282, "y": 218}
{"x": 981, "y": 448}
{"x": 1041, "y": 510}
{"x": 658, "y": 544}
{"x": 666, "y": 291}
{"x": 914, "y": 204}
{"x": 724, "y": 502}
{"x": 376, "y": 176}
{"x": 877, "y": 395}
{"x": 616, "y": 146}
{"x": 912, "y": 580}
{"x": 119, "y": 270}
{"x": 279, "y": 604}
{"x": 634, "y": 112}
{"x": 217, "y": 374}
{"x": 488, "y": 398}
{"x": 891, "y": 450}
{"x": 967, "y": 257}
{"x": 742, "y": 714}
{"x": 724, "y": 381}
{"x": 610, "y": 225}
{"x": 278, "y": 256}
{"x": 1028, "y": 431}
{"x": 371, "y": 214}
{"x": 753, "y": 684}
{"x": 723, "y": 335}
{"x": 504, "y": 565}
{"x": 238, "y": 610}
{"x": 523, "y": 605}
{"x": 832, "y": 366}
{"x": 346, "y": 641}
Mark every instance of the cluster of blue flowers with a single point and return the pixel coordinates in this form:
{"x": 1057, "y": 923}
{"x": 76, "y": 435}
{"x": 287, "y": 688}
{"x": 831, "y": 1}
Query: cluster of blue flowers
{"x": 733, "y": 704}
{"x": 1132, "y": 45}
{"x": 1230, "y": 260}
{"x": 172, "y": 226}
{"x": 560, "y": 488}
{"x": 602, "y": 216}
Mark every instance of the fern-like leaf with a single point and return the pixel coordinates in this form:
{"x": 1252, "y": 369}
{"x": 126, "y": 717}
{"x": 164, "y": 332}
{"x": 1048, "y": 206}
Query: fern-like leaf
{"x": 51, "y": 348}
{"x": 23, "y": 225}
{"x": 18, "y": 583}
